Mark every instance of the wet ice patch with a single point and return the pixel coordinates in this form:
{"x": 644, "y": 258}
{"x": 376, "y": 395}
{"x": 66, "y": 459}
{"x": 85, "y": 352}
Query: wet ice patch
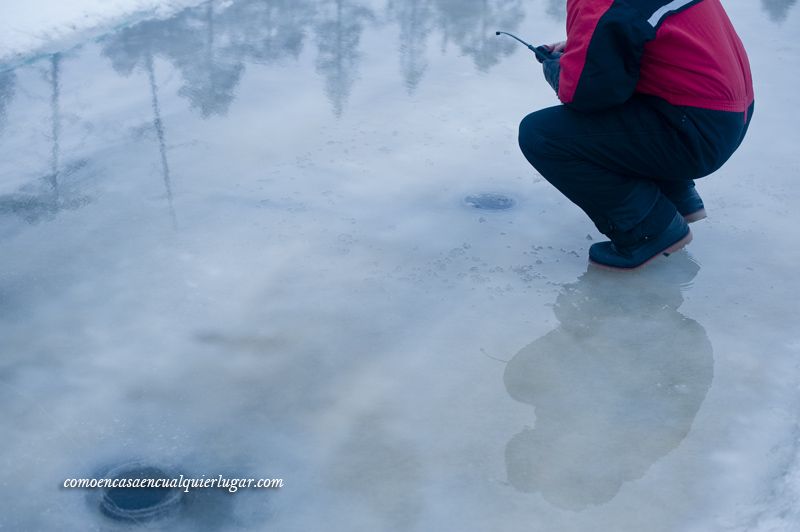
{"x": 490, "y": 201}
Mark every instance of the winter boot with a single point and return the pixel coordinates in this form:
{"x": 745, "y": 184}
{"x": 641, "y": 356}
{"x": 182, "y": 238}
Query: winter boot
{"x": 628, "y": 253}
{"x": 686, "y": 199}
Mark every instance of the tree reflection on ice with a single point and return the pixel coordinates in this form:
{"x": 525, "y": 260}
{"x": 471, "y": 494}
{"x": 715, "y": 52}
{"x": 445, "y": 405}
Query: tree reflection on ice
{"x": 7, "y": 81}
{"x": 338, "y": 36}
{"x": 471, "y": 25}
{"x": 44, "y": 198}
{"x": 778, "y": 9}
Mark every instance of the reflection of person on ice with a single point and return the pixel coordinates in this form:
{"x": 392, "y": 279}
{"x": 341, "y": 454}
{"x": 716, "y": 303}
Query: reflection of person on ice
{"x": 656, "y": 93}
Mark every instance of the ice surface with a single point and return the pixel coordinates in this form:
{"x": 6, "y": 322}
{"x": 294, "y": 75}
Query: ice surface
{"x": 235, "y": 241}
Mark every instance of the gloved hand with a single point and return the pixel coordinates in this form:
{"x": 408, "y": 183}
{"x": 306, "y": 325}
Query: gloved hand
{"x": 550, "y": 50}
{"x": 543, "y": 53}
{"x": 552, "y": 69}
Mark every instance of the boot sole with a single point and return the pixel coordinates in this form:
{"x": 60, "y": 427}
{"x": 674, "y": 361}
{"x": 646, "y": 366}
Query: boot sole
{"x": 696, "y": 216}
{"x": 680, "y": 244}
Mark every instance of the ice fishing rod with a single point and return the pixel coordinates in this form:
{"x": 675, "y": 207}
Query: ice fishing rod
{"x": 542, "y": 53}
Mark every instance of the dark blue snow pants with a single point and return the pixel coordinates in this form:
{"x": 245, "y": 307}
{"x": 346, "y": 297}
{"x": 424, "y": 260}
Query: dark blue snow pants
{"x": 618, "y": 164}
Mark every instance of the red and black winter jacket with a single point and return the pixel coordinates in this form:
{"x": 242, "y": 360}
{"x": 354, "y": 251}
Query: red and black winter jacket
{"x": 684, "y": 51}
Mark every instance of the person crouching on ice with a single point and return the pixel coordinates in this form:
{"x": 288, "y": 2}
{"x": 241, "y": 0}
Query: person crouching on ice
{"x": 655, "y": 94}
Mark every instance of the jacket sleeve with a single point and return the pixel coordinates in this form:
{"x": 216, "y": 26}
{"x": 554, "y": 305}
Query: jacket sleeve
{"x": 605, "y": 43}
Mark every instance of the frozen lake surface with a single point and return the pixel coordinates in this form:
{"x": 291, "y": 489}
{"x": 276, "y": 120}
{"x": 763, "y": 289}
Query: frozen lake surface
{"x": 295, "y": 239}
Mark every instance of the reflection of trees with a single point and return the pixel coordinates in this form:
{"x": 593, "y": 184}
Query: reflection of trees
{"x": 158, "y": 125}
{"x": 471, "y": 25}
{"x": 7, "y": 81}
{"x": 557, "y": 9}
{"x": 778, "y": 9}
{"x": 338, "y": 34}
{"x": 210, "y": 71}
{"x": 615, "y": 387}
{"x": 134, "y": 47}
{"x": 130, "y": 47}
{"x": 55, "y": 105}
{"x": 43, "y": 199}
{"x": 36, "y": 202}
{"x": 190, "y": 41}
{"x": 210, "y": 44}
{"x": 267, "y": 31}
{"x": 416, "y": 21}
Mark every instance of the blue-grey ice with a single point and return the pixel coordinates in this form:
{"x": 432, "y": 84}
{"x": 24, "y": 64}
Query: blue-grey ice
{"x": 235, "y": 241}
